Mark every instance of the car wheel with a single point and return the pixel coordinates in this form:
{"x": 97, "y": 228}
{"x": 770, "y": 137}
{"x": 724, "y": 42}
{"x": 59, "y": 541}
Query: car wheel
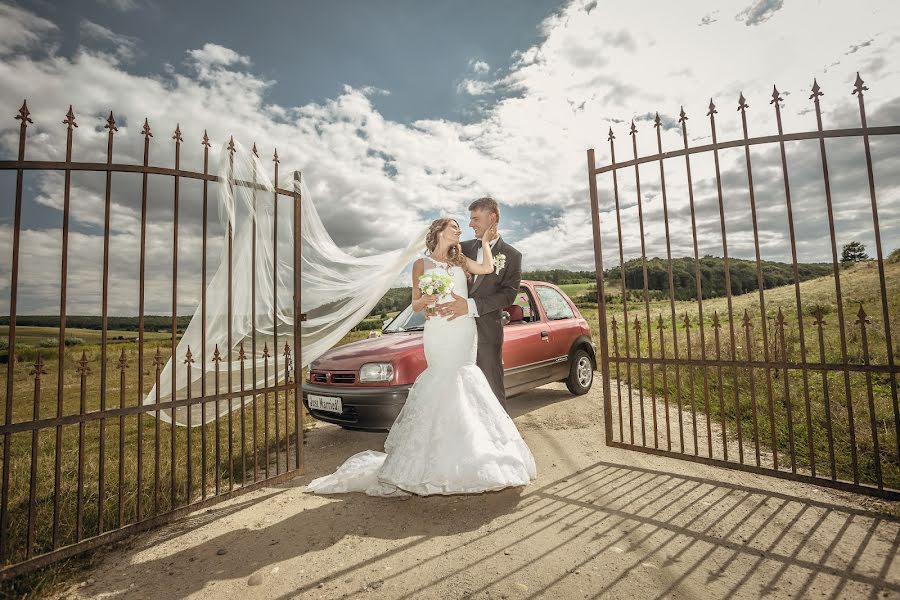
{"x": 581, "y": 373}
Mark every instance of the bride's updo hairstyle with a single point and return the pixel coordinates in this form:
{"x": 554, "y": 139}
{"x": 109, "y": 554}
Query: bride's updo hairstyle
{"x": 454, "y": 253}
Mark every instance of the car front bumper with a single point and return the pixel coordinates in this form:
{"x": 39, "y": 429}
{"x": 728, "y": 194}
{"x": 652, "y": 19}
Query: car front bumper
{"x": 368, "y": 408}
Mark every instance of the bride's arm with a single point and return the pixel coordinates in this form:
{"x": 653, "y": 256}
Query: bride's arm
{"x": 419, "y": 300}
{"x": 487, "y": 259}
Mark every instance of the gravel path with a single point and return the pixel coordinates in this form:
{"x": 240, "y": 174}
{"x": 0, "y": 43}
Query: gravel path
{"x": 599, "y": 523}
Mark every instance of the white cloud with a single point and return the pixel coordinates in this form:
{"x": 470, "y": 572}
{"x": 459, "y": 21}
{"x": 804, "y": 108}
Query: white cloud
{"x": 759, "y": 12}
{"x": 21, "y": 30}
{"x": 122, "y": 5}
{"x": 123, "y": 46}
{"x": 479, "y": 67}
{"x": 374, "y": 180}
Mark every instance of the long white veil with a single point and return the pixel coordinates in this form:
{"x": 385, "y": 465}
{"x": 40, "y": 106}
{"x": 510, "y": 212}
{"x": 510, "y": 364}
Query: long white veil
{"x": 337, "y": 292}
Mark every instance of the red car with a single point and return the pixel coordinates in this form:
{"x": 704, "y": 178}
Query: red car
{"x": 363, "y": 385}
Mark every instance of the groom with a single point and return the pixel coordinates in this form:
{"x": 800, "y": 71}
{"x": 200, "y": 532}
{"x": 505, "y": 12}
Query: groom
{"x": 488, "y": 294}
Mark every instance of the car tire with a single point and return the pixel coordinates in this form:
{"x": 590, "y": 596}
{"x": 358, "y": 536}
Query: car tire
{"x": 581, "y": 373}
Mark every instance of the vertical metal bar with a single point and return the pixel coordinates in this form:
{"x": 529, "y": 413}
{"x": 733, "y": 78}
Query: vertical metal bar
{"x": 712, "y": 124}
{"x": 615, "y": 330}
{"x": 665, "y": 381}
{"x": 804, "y": 368}
{"x": 173, "y": 493}
{"x": 217, "y": 358}
{"x": 787, "y": 390}
{"x": 612, "y": 150}
{"x": 748, "y": 342}
{"x": 203, "y": 363}
{"x": 123, "y": 364}
{"x": 104, "y": 334}
{"x": 142, "y": 277}
{"x": 716, "y": 327}
{"x": 157, "y": 364}
{"x": 862, "y": 320}
{"x": 32, "y": 486}
{"x": 687, "y": 333}
{"x": 698, "y": 279}
{"x": 885, "y": 315}
{"x": 83, "y": 370}
{"x": 266, "y": 410}
{"x": 665, "y": 203}
{"x": 601, "y": 295}
{"x": 826, "y": 396}
{"x": 760, "y": 282}
{"x": 10, "y": 365}
{"x": 299, "y": 317}
{"x": 848, "y": 395}
{"x": 640, "y": 375}
{"x": 242, "y": 358}
{"x": 274, "y": 322}
{"x": 61, "y": 357}
{"x": 231, "y": 150}
{"x": 637, "y": 179}
{"x": 255, "y": 159}
{"x": 287, "y": 406}
{"x": 188, "y": 361}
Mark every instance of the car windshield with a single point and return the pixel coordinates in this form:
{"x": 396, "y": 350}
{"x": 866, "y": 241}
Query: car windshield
{"x": 407, "y": 320}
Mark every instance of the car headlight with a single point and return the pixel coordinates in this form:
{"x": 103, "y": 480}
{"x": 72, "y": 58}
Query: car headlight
{"x": 376, "y": 372}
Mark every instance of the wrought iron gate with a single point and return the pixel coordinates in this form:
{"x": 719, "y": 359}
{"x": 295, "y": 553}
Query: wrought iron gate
{"x": 785, "y": 387}
{"x": 59, "y": 497}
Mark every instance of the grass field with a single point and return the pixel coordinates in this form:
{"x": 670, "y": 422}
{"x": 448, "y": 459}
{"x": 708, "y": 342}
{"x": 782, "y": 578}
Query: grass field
{"x": 860, "y": 287}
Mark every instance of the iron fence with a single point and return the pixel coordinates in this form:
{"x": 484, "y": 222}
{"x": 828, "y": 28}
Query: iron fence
{"x": 764, "y": 395}
{"x": 59, "y": 497}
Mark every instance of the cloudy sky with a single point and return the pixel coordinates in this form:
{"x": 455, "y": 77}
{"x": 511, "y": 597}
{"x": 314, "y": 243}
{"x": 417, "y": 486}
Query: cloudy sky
{"x": 397, "y": 112}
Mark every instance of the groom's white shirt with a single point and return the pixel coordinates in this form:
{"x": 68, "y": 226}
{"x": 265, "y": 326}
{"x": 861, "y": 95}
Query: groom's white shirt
{"x": 473, "y": 310}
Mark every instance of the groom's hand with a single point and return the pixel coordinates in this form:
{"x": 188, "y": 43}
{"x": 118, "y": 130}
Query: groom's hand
{"x": 458, "y": 307}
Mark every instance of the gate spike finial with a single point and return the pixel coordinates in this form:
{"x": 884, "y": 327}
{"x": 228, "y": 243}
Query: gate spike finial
{"x": 742, "y": 103}
{"x": 858, "y": 85}
{"x": 82, "y": 367}
{"x": 111, "y": 123}
{"x": 746, "y": 318}
{"x": 712, "y": 108}
{"x": 217, "y": 357}
{"x": 819, "y": 314}
{"x": 241, "y": 354}
{"x": 254, "y": 150}
{"x": 715, "y": 320}
{"x": 188, "y": 357}
{"x": 146, "y": 131}
{"x": 611, "y": 136}
{"x": 776, "y": 96}
{"x": 70, "y": 118}
{"x": 633, "y": 129}
{"x": 177, "y": 136}
{"x": 637, "y": 324}
{"x": 205, "y": 141}
{"x": 23, "y": 114}
{"x": 780, "y": 318}
{"x": 157, "y": 360}
{"x": 231, "y": 148}
{"x": 123, "y": 362}
{"x": 682, "y": 116}
{"x": 265, "y": 353}
{"x": 615, "y": 324}
{"x": 816, "y": 91}
{"x": 657, "y": 121}
{"x": 861, "y": 315}
{"x": 275, "y": 160}
{"x": 39, "y": 367}
{"x": 659, "y": 322}
{"x": 687, "y": 321}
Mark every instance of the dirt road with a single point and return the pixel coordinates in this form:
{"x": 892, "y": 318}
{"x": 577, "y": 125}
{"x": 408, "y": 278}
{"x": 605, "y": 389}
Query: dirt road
{"x": 599, "y": 523}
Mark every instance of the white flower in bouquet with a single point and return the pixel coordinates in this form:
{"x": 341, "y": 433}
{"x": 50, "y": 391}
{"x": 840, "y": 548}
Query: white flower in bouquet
{"x": 440, "y": 284}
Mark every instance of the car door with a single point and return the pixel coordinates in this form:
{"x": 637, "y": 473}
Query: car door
{"x": 523, "y": 346}
{"x": 557, "y": 330}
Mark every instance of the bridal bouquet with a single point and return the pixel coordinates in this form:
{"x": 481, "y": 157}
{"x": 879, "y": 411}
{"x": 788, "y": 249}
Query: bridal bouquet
{"x": 439, "y": 284}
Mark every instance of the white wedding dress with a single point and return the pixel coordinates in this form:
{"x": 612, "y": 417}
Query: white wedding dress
{"x": 452, "y": 435}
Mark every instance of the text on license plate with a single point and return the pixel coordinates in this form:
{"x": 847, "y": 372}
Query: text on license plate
{"x": 327, "y": 403}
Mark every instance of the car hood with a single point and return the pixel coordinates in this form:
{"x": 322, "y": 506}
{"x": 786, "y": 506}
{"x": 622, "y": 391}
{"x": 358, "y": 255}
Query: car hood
{"x": 386, "y": 348}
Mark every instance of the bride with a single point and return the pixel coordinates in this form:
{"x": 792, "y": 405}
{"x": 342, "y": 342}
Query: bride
{"x": 452, "y": 435}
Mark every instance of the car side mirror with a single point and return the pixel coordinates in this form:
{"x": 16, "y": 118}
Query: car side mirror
{"x": 504, "y": 318}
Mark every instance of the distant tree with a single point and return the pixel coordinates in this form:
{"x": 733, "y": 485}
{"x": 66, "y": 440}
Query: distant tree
{"x": 854, "y": 252}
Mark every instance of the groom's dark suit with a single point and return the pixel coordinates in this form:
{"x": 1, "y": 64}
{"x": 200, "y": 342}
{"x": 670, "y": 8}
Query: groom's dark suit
{"x": 492, "y": 293}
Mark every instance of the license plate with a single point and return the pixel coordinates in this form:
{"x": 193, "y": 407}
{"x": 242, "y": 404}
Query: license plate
{"x": 326, "y": 403}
